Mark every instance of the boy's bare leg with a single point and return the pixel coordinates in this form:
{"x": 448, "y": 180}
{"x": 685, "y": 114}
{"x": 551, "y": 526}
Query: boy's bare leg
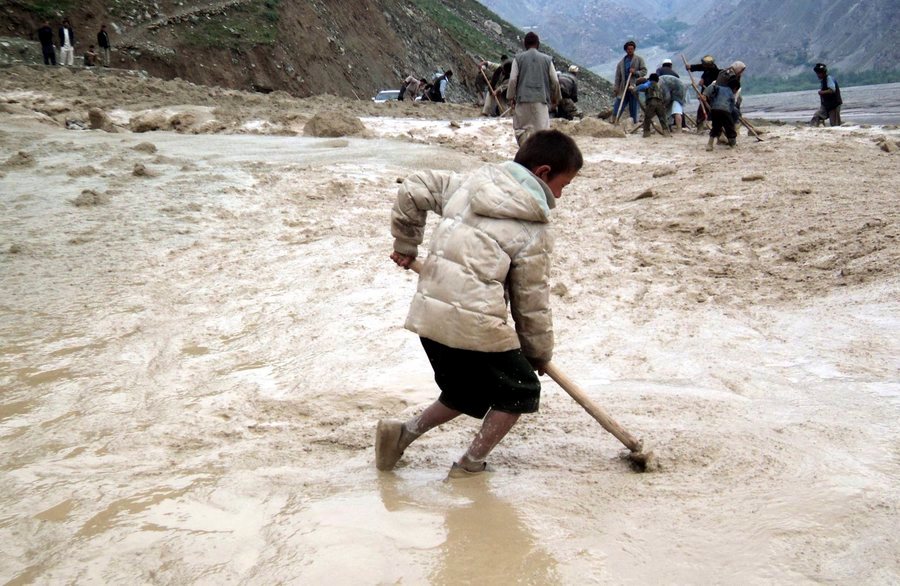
{"x": 494, "y": 428}
{"x": 435, "y": 414}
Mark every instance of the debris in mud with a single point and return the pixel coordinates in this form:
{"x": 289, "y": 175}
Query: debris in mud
{"x": 141, "y": 170}
{"x": 84, "y": 171}
{"x": 756, "y": 177}
{"x": 670, "y": 170}
{"x": 89, "y": 197}
{"x": 145, "y": 147}
{"x": 20, "y": 160}
{"x": 647, "y": 194}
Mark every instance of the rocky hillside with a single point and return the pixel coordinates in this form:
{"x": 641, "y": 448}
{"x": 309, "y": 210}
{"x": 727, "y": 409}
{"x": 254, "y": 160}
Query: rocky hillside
{"x": 778, "y": 38}
{"x": 305, "y": 48}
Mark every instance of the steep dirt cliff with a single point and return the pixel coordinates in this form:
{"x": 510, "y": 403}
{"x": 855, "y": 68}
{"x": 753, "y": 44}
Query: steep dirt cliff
{"x": 350, "y": 49}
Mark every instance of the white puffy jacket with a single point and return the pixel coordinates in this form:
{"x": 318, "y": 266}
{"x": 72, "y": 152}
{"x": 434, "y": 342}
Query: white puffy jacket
{"x": 491, "y": 246}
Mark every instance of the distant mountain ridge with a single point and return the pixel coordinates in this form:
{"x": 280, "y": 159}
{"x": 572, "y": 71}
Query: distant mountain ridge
{"x": 776, "y": 38}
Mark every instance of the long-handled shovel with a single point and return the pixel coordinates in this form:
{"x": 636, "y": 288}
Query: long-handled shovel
{"x": 643, "y": 461}
{"x": 699, "y": 93}
{"x": 622, "y": 97}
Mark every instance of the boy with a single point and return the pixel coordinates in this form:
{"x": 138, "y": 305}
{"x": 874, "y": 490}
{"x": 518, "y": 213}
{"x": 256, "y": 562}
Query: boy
{"x": 493, "y": 244}
{"x": 90, "y": 57}
{"x": 655, "y": 104}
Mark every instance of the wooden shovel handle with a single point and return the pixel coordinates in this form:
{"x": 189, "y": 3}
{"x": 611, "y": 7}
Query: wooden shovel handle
{"x": 593, "y": 409}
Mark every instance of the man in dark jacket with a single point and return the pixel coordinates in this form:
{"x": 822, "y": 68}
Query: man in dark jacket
{"x": 666, "y": 69}
{"x": 710, "y": 71}
{"x": 568, "y": 86}
{"x": 45, "y": 36}
{"x": 829, "y": 97}
{"x": 103, "y": 43}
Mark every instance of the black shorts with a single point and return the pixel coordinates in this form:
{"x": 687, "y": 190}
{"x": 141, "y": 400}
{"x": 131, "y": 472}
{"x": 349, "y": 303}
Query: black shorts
{"x": 473, "y": 382}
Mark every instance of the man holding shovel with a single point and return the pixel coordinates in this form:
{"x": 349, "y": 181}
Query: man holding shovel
{"x": 630, "y": 71}
{"x": 491, "y": 248}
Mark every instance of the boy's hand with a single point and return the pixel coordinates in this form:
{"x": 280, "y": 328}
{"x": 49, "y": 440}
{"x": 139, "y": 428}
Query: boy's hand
{"x": 538, "y": 365}
{"x": 402, "y": 260}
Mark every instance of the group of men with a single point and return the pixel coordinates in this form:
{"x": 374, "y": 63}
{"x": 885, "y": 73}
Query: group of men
{"x": 414, "y": 88}
{"x": 66, "y": 37}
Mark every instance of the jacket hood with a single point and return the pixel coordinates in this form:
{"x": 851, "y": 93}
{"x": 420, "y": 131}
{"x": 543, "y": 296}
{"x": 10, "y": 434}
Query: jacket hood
{"x": 511, "y": 191}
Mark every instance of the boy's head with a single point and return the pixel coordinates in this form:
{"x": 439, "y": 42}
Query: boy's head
{"x": 531, "y": 40}
{"x": 821, "y": 70}
{"x": 553, "y": 157}
{"x": 91, "y": 47}
{"x": 629, "y": 47}
{"x": 653, "y": 77}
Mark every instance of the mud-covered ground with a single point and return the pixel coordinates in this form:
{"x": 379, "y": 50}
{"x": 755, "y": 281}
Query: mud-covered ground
{"x": 199, "y": 328}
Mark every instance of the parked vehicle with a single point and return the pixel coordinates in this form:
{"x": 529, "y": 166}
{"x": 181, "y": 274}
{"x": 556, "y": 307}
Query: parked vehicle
{"x": 386, "y": 96}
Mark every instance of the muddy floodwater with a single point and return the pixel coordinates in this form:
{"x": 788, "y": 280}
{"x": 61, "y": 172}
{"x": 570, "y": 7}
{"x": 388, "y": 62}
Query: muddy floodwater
{"x": 198, "y": 334}
{"x": 868, "y": 104}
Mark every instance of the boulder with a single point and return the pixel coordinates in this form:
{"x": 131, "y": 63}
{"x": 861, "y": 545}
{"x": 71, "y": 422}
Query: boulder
{"x": 333, "y": 125}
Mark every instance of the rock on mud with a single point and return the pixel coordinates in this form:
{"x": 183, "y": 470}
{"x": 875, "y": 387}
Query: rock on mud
{"x": 149, "y": 121}
{"x": 100, "y": 120}
{"x": 334, "y": 124}
{"x": 597, "y": 129}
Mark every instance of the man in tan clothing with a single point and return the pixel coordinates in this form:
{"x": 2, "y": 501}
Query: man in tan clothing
{"x": 491, "y": 247}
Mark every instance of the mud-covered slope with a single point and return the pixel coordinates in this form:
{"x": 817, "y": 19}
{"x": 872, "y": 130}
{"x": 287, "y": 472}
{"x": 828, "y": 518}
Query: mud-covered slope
{"x": 350, "y": 49}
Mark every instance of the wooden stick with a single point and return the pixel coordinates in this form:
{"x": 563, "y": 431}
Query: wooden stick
{"x": 750, "y": 128}
{"x": 622, "y": 98}
{"x": 630, "y": 442}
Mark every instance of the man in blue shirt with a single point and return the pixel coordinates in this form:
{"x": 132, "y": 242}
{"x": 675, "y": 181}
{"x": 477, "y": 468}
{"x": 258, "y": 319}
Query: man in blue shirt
{"x": 634, "y": 66}
{"x": 829, "y": 97}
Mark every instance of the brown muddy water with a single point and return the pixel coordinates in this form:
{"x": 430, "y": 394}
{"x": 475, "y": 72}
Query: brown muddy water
{"x": 193, "y": 362}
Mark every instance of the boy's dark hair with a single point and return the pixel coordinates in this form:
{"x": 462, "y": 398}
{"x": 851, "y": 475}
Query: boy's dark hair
{"x": 553, "y": 148}
{"x": 653, "y": 77}
{"x": 531, "y": 40}
{"x": 626, "y": 45}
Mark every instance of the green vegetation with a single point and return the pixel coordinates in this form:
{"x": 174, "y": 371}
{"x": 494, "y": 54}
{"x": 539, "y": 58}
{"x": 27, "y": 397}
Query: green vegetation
{"x": 243, "y": 26}
{"x": 771, "y": 85}
{"x": 473, "y": 40}
{"x": 47, "y": 8}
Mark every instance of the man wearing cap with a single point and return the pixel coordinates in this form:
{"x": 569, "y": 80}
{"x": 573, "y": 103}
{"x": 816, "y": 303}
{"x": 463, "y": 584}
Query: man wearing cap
{"x": 710, "y": 71}
{"x": 666, "y": 69}
{"x": 829, "y": 98}
{"x": 634, "y": 66}
{"x": 533, "y": 89}
{"x": 568, "y": 86}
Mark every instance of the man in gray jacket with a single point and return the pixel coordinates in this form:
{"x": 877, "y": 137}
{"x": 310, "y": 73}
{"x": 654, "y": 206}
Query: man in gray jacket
{"x": 533, "y": 89}
{"x": 631, "y": 71}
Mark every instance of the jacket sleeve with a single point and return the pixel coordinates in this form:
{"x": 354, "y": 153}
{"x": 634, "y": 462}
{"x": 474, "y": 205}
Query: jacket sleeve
{"x": 640, "y": 69}
{"x": 418, "y": 194}
{"x": 513, "y": 80}
{"x": 529, "y": 298}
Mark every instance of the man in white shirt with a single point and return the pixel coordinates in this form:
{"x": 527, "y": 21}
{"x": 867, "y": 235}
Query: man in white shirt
{"x": 66, "y": 44}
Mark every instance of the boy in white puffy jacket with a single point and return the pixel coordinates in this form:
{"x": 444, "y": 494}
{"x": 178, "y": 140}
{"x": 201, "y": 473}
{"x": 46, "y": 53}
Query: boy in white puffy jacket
{"x": 491, "y": 248}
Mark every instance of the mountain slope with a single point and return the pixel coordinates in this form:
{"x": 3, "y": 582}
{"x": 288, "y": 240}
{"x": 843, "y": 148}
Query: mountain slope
{"x": 305, "y": 48}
